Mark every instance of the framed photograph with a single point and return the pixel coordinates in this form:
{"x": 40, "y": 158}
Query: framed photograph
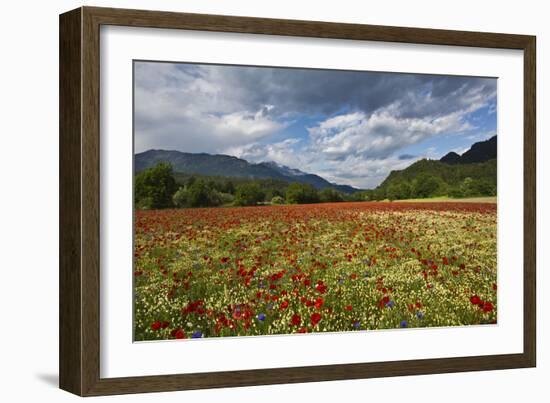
{"x": 249, "y": 201}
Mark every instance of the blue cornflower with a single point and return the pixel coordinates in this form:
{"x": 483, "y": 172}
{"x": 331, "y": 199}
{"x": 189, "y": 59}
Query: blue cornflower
{"x": 261, "y": 317}
{"x": 390, "y": 304}
{"x": 420, "y": 315}
{"x": 356, "y": 324}
{"x": 341, "y": 281}
{"x": 403, "y": 323}
{"x": 196, "y": 335}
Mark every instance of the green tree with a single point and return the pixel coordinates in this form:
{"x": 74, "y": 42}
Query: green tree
{"x": 228, "y": 187}
{"x": 155, "y": 186}
{"x": 426, "y": 185}
{"x": 199, "y": 194}
{"x": 484, "y": 187}
{"x": 329, "y": 195}
{"x": 180, "y": 197}
{"x": 466, "y": 187}
{"x": 301, "y": 193}
{"x": 248, "y": 194}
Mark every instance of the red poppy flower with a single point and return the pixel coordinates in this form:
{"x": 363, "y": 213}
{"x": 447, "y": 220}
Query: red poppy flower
{"x": 156, "y": 325}
{"x": 302, "y": 330}
{"x": 494, "y": 286}
{"x": 315, "y": 318}
{"x": 296, "y": 320}
{"x": 474, "y": 299}
{"x": 348, "y": 307}
{"x": 487, "y": 307}
{"x": 462, "y": 266}
{"x": 284, "y": 304}
{"x": 165, "y": 324}
{"x": 178, "y": 333}
{"x": 319, "y": 303}
{"x": 321, "y": 288}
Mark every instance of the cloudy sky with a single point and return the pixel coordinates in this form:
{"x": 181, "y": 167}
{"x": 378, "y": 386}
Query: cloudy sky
{"x": 349, "y": 127}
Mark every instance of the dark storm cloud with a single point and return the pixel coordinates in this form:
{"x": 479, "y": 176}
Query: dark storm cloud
{"x": 326, "y": 92}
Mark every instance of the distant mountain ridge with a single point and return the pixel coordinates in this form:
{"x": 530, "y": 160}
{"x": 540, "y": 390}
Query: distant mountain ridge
{"x": 229, "y": 166}
{"x": 479, "y": 152}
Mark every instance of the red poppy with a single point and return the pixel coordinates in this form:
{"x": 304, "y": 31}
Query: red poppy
{"x": 165, "y": 324}
{"x": 156, "y": 325}
{"x": 296, "y": 320}
{"x": 319, "y": 303}
{"x": 474, "y": 299}
{"x": 315, "y": 318}
{"x": 321, "y": 288}
{"x": 462, "y": 266}
{"x": 178, "y": 333}
{"x": 494, "y": 286}
{"x": 284, "y": 304}
{"x": 348, "y": 307}
{"x": 302, "y": 330}
{"x": 487, "y": 307}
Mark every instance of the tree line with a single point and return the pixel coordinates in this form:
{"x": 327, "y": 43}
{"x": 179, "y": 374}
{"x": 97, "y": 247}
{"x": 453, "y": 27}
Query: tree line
{"x": 431, "y": 178}
{"x": 159, "y": 187}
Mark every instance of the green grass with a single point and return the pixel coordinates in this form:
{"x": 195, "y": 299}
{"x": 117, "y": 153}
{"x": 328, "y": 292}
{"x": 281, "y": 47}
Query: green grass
{"x": 484, "y": 199}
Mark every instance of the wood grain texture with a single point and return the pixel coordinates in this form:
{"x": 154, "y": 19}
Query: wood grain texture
{"x": 70, "y": 275}
{"x": 80, "y": 196}
{"x": 530, "y": 203}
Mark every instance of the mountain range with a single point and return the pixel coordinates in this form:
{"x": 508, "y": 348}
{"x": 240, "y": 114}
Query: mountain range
{"x": 479, "y": 163}
{"x": 479, "y": 152}
{"x": 229, "y": 166}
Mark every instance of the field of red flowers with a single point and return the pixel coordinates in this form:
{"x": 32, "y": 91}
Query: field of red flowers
{"x": 313, "y": 268}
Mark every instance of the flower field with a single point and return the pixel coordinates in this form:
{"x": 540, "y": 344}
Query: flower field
{"x": 313, "y": 268}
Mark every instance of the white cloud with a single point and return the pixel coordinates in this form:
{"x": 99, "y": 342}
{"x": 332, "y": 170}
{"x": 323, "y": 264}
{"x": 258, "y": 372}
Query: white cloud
{"x": 380, "y": 134}
{"x": 189, "y": 110}
{"x": 282, "y": 152}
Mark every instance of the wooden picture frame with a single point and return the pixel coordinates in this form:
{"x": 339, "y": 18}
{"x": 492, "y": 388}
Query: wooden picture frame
{"x": 79, "y": 346}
